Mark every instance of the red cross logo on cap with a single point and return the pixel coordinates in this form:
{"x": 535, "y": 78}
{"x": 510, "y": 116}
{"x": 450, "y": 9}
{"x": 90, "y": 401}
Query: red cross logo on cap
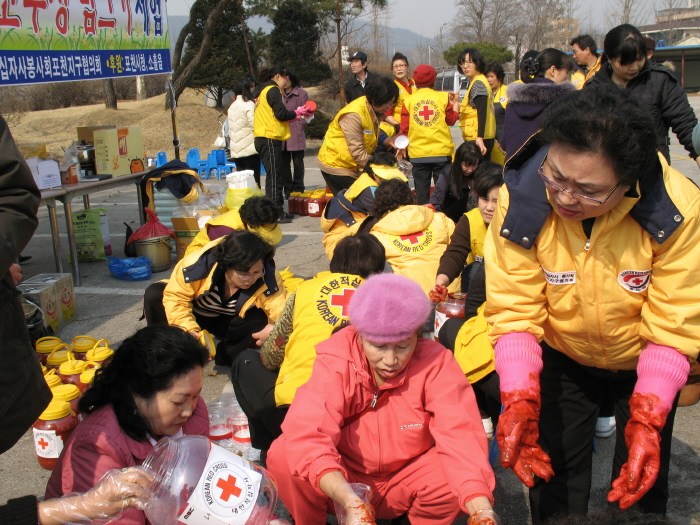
{"x": 343, "y": 300}
{"x": 228, "y": 488}
{"x": 426, "y": 113}
{"x": 412, "y": 238}
{"x": 43, "y": 443}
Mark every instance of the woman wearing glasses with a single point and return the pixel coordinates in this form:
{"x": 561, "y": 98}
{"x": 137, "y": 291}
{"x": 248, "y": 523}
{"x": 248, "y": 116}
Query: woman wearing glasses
{"x": 592, "y": 277}
{"x": 229, "y": 287}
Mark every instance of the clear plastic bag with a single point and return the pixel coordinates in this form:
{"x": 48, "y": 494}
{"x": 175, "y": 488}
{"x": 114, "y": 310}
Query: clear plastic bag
{"x": 135, "y": 269}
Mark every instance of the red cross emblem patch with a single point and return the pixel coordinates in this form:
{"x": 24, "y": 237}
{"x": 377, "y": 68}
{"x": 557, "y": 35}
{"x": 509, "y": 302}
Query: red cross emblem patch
{"x": 634, "y": 280}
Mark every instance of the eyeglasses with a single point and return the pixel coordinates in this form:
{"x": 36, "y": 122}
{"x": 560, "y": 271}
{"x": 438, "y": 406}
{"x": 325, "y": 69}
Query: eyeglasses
{"x": 249, "y": 276}
{"x": 400, "y": 66}
{"x": 576, "y": 196}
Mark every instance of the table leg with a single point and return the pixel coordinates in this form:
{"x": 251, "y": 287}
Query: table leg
{"x": 55, "y": 235}
{"x": 86, "y": 202}
{"x": 71, "y": 243}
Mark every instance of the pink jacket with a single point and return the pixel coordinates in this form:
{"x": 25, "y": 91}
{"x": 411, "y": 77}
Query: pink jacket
{"x": 430, "y": 404}
{"x": 98, "y": 445}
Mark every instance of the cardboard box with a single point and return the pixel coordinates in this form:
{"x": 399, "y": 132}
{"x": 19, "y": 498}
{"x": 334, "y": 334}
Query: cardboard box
{"x": 65, "y": 292}
{"x": 186, "y": 229}
{"x": 85, "y": 133}
{"x": 46, "y": 173}
{"x": 116, "y": 149}
{"x": 33, "y": 150}
{"x": 45, "y": 296}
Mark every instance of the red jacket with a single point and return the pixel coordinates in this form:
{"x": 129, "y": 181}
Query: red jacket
{"x": 98, "y": 445}
{"x": 430, "y": 404}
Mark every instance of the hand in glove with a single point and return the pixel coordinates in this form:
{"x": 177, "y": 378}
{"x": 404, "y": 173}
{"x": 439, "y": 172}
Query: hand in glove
{"x": 484, "y": 517}
{"x": 302, "y": 111}
{"x": 117, "y": 491}
{"x": 637, "y": 476}
{"x": 517, "y": 436}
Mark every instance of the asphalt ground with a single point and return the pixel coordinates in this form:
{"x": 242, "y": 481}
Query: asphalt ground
{"x": 110, "y": 309}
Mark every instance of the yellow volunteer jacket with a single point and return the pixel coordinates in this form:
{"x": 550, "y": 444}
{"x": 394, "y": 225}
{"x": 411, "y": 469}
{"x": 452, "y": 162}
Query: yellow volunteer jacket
{"x": 578, "y": 79}
{"x": 403, "y": 93}
{"x": 473, "y": 351}
{"x": 477, "y": 234}
{"x": 414, "y": 238}
{"x": 192, "y": 277}
{"x": 500, "y": 101}
{"x": 320, "y": 306}
{"x": 597, "y": 300}
{"x": 265, "y": 124}
{"x": 334, "y": 151}
{"x": 468, "y": 118}
{"x": 232, "y": 219}
{"x": 341, "y": 218}
{"x": 428, "y": 133}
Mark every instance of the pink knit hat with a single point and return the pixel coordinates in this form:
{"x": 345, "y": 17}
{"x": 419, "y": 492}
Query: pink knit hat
{"x": 387, "y": 308}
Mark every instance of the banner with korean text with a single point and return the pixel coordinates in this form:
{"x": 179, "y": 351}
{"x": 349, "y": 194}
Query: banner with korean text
{"x": 60, "y": 40}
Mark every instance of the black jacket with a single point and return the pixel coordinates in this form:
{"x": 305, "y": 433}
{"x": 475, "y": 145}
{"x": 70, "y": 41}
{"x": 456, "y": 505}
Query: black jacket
{"x": 659, "y": 93}
{"x": 353, "y": 88}
{"x": 23, "y": 391}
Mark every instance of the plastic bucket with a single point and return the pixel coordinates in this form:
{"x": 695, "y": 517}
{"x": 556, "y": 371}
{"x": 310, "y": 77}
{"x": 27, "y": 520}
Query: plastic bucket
{"x": 157, "y": 249}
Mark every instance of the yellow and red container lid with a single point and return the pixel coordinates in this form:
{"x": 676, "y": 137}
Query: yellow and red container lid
{"x": 59, "y": 355}
{"x": 65, "y": 392}
{"x": 52, "y": 379}
{"x": 100, "y": 351}
{"x": 55, "y": 410}
{"x": 71, "y": 367}
{"x": 83, "y": 343}
{"x": 88, "y": 373}
{"x": 46, "y": 344}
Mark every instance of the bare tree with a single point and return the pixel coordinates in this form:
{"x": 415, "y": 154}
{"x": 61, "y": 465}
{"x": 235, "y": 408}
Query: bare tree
{"x": 472, "y": 20}
{"x": 181, "y": 76}
{"x": 670, "y": 16}
{"x": 539, "y": 14}
{"x": 633, "y": 12}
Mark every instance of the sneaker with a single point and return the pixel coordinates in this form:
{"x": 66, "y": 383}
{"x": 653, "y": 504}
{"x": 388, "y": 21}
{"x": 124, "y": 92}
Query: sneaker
{"x": 605, "y": 427}
{"x": 286, "y": 218}
{"x": 488, "y": 427}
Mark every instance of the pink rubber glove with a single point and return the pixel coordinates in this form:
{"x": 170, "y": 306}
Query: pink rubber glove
{"x": 302, "y": 111}
{"x": 661, "y": 371}
{"x": 519, "y": 363}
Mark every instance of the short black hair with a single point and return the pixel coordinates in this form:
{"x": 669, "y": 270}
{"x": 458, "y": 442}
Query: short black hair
{"x": 380, "y": 158}
{"x": 259, "y": 211}
{"x": 242, "y": 249}
{"x": 626, "y": 43}
{"x": 381, "y": 90}
{"x": 475, "y": 56}
{"x": 399, "y": 56}
{"x": 487, "y": 175}
{"x": 469, "y": 153}
{"x": 272, "y": 71}
{"x": 585, "y": 42}
{"x": 146, "y": 363}
{"x": 360, "y": 254}
{"x": 241, "y": 88}
{"x": 497, "y": 69}
{"x": 390, "y": 196}
{"x": 608, "y": 122}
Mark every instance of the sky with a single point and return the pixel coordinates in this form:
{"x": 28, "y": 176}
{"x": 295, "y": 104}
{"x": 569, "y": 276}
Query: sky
{"x": 413, "y": 14}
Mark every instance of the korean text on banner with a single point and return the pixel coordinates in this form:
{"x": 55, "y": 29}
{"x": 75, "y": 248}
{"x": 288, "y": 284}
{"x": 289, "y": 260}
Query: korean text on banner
{"x": 52, "y": 41}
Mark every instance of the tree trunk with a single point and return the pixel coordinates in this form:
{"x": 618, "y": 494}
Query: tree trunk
{"x": 180, "y": 43}
{"x": 110, "y": 94}
{"x": 181, "y": 77}
{"x": 245, "y": 37}
{"x": 141, "y": 88}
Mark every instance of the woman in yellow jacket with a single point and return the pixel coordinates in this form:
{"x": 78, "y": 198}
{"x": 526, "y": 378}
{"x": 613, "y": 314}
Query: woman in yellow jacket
{"x": 230, "y": 287}
{"x": 265, "y": 382}
{"x": 414, "y": 237}
{"x": 495, "y": 74}
{"x": 476, "y": 118}
{"x": 271, "y": 128}
{"x": 592, "y": 277}
{"x": 345, "y": 212}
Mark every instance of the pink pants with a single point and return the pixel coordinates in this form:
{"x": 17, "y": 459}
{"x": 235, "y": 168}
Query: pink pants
{"x": 419, "y": 488}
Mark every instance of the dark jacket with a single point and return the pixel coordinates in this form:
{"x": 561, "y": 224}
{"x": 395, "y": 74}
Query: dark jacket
{"x": 20, "y": 511}
{"x": 23, "y": 392}
{"x": 658, "y": 92}
{"x": 526, "y": 105}
{"x": 444, "y": 201}
{"x": 353, "y": 88}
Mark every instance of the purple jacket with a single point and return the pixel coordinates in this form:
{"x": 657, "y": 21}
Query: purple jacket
{"x": 292, "y": 100}
{"x": 98, "y": 445}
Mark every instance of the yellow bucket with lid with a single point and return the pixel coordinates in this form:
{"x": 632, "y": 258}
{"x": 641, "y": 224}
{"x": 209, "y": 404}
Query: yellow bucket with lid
{"x": 88, "y": 373}
{"x": 65, "y": 393}
{"x": 100, "y": 352}
{"x": 208, "y": 342}
{"x": 55, "y": 410}
{"x": 71, "y": 366}
{"x": 52, "y": 379}
{"x": 44, "y": 346}
{"x": 82, "y": 344}
{"x": 59, "y": 355}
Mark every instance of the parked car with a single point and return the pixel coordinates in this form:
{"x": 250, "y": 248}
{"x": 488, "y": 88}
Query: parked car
{"x": 450, "y": 80}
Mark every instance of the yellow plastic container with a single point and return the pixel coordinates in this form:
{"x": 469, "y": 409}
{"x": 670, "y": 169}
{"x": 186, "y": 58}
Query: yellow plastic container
{"x": 44, "y": 346}
{"x": 60, "y": 354}
{"x": 82, "y": 344}
{"x": 52, "y": 378}
{"x": 100, "y": 353}
{"x": 208, "y": 342}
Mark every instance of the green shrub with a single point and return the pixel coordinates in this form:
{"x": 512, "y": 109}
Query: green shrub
{"x": 318, "y": 126}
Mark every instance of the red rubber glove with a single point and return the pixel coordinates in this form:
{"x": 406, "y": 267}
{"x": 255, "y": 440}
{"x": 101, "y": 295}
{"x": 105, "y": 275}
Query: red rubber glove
{"x": 642, "y": 436}
{"x": 484, "y": 517}
{"x": 517, "y": 436}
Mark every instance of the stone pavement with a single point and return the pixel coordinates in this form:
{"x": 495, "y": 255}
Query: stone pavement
{"x": 109, "y": 308}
